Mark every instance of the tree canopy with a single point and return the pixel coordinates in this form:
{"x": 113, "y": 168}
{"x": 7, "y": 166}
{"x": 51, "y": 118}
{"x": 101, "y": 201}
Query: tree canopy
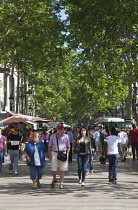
{"x": 77, "y": 66}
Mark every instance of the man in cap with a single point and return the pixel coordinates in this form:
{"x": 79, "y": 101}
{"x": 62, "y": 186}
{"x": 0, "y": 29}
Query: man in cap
{"x": 64, "y": 145}
{"x": 102, "y": 135}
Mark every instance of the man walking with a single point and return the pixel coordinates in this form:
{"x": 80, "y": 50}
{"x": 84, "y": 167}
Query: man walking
{"x": 13, "y": 141}
{"x": 61, "y": 140}
{"x": 71, "y": 138}
{"x": 124, "y": 139}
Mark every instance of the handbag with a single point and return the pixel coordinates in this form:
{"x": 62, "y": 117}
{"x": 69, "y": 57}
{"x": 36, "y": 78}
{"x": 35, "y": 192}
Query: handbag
{"x": 62, "y": 156}
{"x": 7, "y": 159}
{"x": 77, "y": 149}
{"x": 29, "y": 163}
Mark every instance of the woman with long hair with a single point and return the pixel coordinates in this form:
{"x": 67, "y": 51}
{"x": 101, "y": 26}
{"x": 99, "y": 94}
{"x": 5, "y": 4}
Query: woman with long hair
{"x": 84, "y": 154}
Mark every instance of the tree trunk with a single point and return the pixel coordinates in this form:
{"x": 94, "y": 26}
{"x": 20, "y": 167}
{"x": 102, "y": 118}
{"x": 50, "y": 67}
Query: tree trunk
{"x": 129, "y": 103}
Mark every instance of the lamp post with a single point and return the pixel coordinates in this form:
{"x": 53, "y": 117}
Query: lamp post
{"x": 11, "y": 102}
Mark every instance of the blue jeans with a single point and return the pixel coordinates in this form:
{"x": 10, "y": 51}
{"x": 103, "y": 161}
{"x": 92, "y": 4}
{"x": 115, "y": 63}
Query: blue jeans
{"x": 113, "y": 166}
{"x": 82, "y": 161}
{"x": 36, "y": 172}
{"x": 14, "y": 156}
{"x": 90, "y": 165}
{"x": 1, "y": 160}
{"x": 134, "y": 149}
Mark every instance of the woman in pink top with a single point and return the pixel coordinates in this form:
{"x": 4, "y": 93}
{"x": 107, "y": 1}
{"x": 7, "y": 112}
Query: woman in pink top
{"x": 45, "y": 138}
{"x": 3, "y": 148}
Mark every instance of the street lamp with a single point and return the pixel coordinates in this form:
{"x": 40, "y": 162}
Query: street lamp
{"x": 11, "y": 102}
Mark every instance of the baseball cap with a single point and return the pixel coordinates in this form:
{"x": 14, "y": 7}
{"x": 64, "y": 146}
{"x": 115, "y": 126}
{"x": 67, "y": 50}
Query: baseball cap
{"x": 60, "y": 125}
{"x": 100, "y": 125}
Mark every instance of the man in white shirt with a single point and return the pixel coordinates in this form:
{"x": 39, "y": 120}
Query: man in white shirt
{"x": 124, "y": 138}
{"x": 99, "y": 131}
{"x": 98, "y": 144}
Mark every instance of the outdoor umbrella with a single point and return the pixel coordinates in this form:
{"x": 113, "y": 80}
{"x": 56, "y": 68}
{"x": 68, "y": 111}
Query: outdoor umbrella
{"x": 40, "y": 120}
{"x": 20, "y": 118}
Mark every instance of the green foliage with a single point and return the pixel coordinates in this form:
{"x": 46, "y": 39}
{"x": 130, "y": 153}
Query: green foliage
{"x": 76, "y": 67}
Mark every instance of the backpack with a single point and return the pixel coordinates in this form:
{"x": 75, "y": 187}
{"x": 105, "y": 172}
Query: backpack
{"x": 102, "y": 137}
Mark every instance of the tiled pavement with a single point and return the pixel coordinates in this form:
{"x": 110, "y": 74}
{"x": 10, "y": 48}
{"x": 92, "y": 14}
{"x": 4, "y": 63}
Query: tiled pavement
{"x": 98, "y": 194}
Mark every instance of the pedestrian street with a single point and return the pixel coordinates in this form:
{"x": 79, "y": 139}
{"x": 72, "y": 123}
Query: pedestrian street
{"x": 16, "y": 190}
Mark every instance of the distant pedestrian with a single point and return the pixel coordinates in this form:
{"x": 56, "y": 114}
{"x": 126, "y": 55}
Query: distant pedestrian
{"x": 102, "y": 134}
{"x": 35, "y": 151}
{"x": 124, "y": 138}
{"x": 71, "y": 139}
{"x": 45, "y": 138}
{"x": 98, "y": 143}
{"x": 133, "y": 140}
{"x": 3, "y": 149}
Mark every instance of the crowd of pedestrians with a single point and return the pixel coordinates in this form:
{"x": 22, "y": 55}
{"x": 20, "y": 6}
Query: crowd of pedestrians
{"x": 92, "y": 143}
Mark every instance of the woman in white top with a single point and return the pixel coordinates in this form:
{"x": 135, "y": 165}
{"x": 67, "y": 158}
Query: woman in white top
{"x": 35, "y": 151}
{"x": 113, "y": 144}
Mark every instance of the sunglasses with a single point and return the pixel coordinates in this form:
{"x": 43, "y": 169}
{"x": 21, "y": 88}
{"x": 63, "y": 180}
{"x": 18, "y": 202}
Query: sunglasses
{"x": 59, "y": 128}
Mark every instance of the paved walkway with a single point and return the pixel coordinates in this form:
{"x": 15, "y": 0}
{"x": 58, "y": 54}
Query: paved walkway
{"x": 98, "y": 194}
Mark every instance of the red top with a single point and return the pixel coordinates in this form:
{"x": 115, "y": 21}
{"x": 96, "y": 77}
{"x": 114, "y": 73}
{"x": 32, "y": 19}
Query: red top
{"x": 134, "y": 135}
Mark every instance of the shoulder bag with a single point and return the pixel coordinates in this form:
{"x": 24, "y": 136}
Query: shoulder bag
{"x": 61, "y": 155}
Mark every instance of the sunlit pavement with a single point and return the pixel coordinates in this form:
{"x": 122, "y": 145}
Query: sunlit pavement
{"x": 16, "y": 190}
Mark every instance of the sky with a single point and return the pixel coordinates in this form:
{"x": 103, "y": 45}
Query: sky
{"x": 63, "y": 16}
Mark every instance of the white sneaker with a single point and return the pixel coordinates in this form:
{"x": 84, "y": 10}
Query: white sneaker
{"x": 16, "y": 173}
{"x": 10, "y": 172}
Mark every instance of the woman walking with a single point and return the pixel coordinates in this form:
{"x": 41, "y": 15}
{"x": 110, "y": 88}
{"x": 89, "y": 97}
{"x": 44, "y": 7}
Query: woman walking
{"x": 35, "y": 151}
{"x": 84, "y": 155}
{"x": 3, "y": 149}
{"x": 113, "y": 144}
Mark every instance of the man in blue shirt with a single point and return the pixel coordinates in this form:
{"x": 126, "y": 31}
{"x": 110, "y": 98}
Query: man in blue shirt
{"x": 71, "y": 138}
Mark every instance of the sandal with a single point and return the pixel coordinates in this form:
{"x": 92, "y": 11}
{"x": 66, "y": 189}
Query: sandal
{"x": 38, "y": 185}
{"x": 53, "y": 183}
{"x": 61, "y": 186}
{"x": 34, "y": 187}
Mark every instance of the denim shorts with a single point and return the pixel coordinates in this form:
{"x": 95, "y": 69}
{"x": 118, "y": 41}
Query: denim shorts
{"x": 36, "y": 172}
